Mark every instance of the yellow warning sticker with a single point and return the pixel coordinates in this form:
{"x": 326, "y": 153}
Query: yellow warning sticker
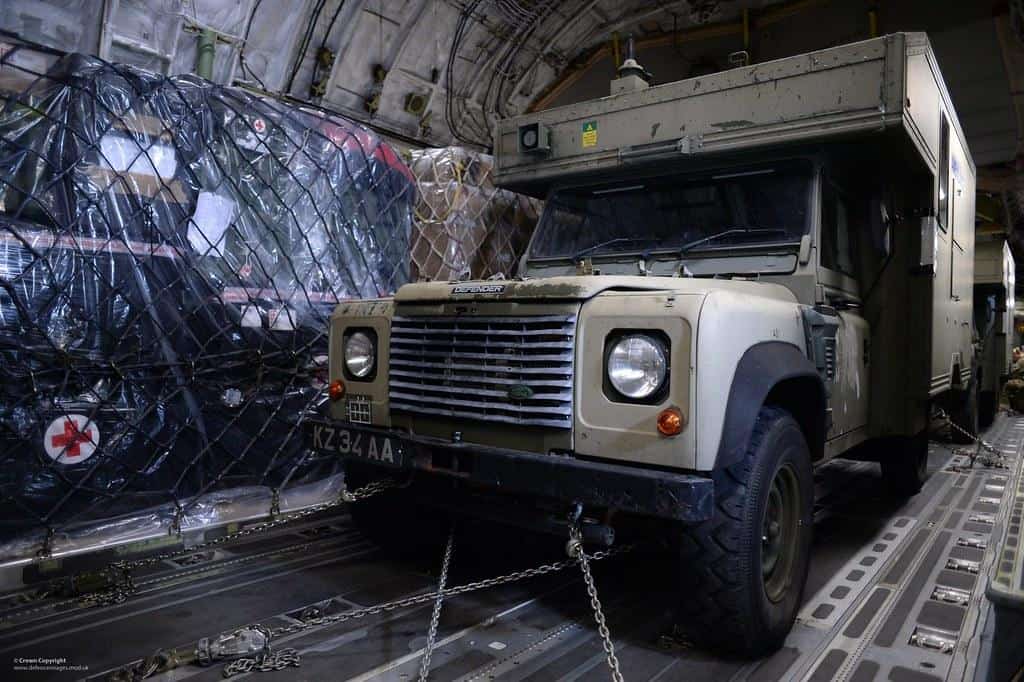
{"x": 589, "y": 136}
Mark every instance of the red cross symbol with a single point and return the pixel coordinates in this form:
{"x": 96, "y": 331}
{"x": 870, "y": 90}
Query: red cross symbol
{"x": 71, "y": 439}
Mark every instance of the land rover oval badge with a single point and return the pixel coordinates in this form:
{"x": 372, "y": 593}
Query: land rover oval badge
{"x": 520, "y": 392}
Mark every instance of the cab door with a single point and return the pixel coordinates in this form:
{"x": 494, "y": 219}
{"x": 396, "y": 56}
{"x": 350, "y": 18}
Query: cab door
{"x": 847, "y": 379}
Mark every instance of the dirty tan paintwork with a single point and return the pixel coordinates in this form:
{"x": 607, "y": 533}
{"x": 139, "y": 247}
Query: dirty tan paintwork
{"x": 888, "y": 83}
{"x": 894, "y": 352}
{"x": 954, "y": 269}
{"x": 374, "y": 314}
{"x": 618, "y": 431}
{"x": 737, "y": 313}
{"x": 834, "y": 91}
{"x": 731, "y": 321}
{"x": 864, "y": 87}
{"x": 851, "y": 392}
{"x": 572, "y": 287}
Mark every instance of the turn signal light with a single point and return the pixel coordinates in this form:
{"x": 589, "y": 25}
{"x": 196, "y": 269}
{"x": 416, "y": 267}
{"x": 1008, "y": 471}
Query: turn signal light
{"x": 670, "y": 422}
{"x": 336, "y": 390}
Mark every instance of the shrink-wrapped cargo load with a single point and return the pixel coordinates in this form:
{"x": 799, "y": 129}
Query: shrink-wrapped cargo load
{"x": 170, "y": 251}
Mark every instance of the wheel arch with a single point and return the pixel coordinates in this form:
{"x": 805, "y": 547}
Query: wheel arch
{"x": 773, "y": 373}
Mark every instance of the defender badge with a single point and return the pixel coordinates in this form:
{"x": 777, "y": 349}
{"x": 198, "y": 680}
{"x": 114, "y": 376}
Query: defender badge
{"x": 478, "y": 289}
{"x": 520, "y": 392}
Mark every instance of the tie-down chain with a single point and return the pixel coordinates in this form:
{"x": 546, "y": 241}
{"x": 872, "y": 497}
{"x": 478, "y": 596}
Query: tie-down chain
{"x": 578, "y": 557}
{"x": 994, "y": 457}
{"x": 248, "y": 649}
{"x": 120, "y": 572}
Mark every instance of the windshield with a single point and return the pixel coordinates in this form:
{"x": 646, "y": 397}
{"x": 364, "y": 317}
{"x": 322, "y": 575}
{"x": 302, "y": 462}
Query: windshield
{"x": 766, "y": 205}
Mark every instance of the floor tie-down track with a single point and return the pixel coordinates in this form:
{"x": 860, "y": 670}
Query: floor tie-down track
{"x": 896, "y": 592}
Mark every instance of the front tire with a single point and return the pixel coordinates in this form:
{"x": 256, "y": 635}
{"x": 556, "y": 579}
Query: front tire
{"x": 744, "y": 569}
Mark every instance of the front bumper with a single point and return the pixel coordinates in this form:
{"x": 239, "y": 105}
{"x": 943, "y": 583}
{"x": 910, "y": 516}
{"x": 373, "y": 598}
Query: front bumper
{"x": 668, "y": 495}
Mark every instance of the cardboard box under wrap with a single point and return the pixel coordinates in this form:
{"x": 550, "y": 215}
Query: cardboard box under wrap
{"x": 465, "y": 227}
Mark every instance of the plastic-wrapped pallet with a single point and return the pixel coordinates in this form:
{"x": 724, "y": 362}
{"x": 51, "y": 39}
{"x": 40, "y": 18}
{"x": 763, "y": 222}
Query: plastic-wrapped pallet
{"x": 170, "y": 253}
{"x": 465, "y": 227}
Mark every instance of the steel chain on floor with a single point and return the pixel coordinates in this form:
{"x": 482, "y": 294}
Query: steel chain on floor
{"x": 428, "y": 597}
{"x": 975, "y": 438}
{"x": 435, "y": 617}
{"x": 278, "y": 660}
{"x": 267, "y": 660}
{"x": 575, "y": 549}
{"x": 125, "y": 586}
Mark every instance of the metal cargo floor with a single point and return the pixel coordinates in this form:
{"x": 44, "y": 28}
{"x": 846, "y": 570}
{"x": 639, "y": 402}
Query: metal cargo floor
{"x": 882, "y": 602}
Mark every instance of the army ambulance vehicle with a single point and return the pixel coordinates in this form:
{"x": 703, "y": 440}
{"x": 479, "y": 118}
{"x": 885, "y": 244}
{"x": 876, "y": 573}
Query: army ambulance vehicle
{"x": 993, "y": 320}
{"x": 736, "y": 278}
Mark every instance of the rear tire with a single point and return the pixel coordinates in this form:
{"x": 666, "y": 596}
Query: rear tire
{"x": 905, "y": 464}
{"x": 744, "y": 569}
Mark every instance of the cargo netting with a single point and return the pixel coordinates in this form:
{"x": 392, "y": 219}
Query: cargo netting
{"x": 170, "y": 253}
{"x": 466, "y": 228}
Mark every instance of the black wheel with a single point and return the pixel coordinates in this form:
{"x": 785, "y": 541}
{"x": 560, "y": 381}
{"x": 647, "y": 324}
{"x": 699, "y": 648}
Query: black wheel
{"x": 964, "y": 416}
{"x": 392, "y": 519}
{"x": 744, "y": 569}
{"x": 905, "y": 464}
{"x": 987, "y": 406}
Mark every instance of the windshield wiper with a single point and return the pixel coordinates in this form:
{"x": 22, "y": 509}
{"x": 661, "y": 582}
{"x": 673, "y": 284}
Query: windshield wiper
{"x": 731, "y": 231}
{"x": 616, "y": 240}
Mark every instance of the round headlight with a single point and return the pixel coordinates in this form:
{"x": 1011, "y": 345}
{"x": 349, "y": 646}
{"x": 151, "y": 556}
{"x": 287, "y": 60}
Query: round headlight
{"x": 637, "y": 366}
{"x": 359, "y": 354}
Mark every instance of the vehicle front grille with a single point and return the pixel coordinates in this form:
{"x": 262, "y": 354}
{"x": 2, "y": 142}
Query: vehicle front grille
{"x": 517, "y": 370}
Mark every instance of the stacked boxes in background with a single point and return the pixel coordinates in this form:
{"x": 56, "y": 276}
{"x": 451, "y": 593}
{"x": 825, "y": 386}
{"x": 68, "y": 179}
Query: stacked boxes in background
{"x": 465, "y": 227}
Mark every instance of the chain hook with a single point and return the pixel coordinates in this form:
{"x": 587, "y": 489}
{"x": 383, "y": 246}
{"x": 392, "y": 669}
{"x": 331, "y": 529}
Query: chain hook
{"x": 47, "y": 548}
{"x": 174, "y": 527}
{"x": 979, "y": 443}
{"x": 576, "y": 550}
{"x": 275, "y": 503}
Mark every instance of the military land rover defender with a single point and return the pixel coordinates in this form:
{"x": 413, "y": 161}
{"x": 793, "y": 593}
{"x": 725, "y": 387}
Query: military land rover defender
{"x": 736, "y": 277}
